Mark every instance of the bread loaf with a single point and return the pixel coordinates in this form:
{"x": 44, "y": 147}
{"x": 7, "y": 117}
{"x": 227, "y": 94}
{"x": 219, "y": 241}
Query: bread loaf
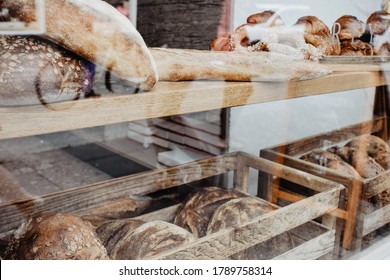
{"x": 55, "y": 237}
{"x": 187, "y": 65}
{"x": 241, "y": 210}
{"x": 36, "y": 71}
{"x": 197, "y": 209}
{"x": 356, "y": 48}
{"x": 134, "y": 239}
{"x": 269, "y": 18}
{"x": 96, "y": 31}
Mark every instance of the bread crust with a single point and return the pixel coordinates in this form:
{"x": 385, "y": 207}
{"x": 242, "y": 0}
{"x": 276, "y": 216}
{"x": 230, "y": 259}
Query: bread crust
{"x": 96, "y": 31}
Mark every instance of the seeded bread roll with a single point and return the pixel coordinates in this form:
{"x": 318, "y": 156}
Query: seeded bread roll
{"x": 196, "y": 211}
{"x": 36, "y": 71}
{"x": 55, "y": 237}
{"x": 96, "y": 31}
{"x": 134, "y": 239}
{"x": 241, "y": 210}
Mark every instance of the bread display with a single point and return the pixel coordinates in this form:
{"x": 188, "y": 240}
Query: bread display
{"x": 55, "y": 237}
{"x": 96, "y": 31}
{"x": 241, "y": 210}
{"x": 36, "y": 71}
{"x": 196, "y": 211}
{"x": 134, "y": 239}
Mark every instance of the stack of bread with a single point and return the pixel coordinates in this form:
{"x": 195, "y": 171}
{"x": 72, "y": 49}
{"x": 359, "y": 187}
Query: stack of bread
{"x": 364, "y": 157}
{"x": 57, "y": 236}
{"x": 56, "y": 66}
{"x": 309, "y": 37}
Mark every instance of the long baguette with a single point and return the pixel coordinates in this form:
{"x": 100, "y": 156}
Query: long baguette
{"x": 95, "y": 30}
{"x": 187, "y": 65}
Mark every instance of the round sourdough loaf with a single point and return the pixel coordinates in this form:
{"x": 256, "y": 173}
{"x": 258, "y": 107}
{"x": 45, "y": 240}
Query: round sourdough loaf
{"x": 96, "y": 31}
{"x": 55, "y": 237}
{"x": 197, "y": 209}
{"x": 134, "y": 239}
{"x": 36, "y": 71}
{"x": 240, "y": 211}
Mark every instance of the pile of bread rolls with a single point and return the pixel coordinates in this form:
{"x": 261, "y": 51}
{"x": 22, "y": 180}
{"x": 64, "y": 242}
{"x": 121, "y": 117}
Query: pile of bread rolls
{"x": 310, "y": 37}
{"x": 56, "y": 236}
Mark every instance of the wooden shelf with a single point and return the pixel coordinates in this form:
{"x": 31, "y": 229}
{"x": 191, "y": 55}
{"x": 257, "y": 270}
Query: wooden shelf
{"x": 172, "y": 98}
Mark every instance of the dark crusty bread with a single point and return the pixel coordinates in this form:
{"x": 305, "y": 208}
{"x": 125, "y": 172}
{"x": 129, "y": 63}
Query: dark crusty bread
{"x": 134, "y": 239}
{"x": 55, "y": 237}
{"x": 36, "y": 71}
{"x": 98, "y": 32}
{"x": 241, "y": 210}
{"x": 199, "y": 206}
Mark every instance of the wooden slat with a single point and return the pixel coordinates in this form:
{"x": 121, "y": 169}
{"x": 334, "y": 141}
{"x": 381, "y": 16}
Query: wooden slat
{"x": 376, "y": 219}
{"x": 170, "y": 98}
{"x": 223, "y": 244}
{"x": 312, "y": 249}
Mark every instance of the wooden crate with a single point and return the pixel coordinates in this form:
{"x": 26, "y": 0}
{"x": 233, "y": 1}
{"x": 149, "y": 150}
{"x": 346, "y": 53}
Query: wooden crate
{"x": 354, "y": 223}
{"x": 313, "y": 240}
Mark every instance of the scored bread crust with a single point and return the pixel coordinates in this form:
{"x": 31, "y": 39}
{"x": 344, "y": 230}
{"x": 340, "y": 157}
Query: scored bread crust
{"x": 96, "y": 31}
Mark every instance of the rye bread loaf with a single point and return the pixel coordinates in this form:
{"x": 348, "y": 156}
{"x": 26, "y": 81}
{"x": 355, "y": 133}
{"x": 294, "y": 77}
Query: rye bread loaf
{"x": 96, "y": 31}
{"x": 36, "y": 71}
{"x": 134, "y": 239}
{"x": 55, "y": 237}
{"x": 241, "y": 210}
{"x": 199, "y": 206}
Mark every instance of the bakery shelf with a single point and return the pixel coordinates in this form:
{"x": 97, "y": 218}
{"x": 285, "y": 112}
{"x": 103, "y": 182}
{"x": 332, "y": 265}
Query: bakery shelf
{"x": 173, "y": 98}
{"x": 312, "y": 240}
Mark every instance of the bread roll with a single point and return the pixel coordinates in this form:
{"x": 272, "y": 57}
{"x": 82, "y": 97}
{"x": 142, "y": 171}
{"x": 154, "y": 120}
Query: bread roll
{"x": 135, "y": 239}
{"x": 197, "y": 209}
{"x": 318, "y": 35}
{"x": 350, "y": 27}
{"x": 241, "y": 210}
{"x": 269, "y": 18}
{"x": 379, "y": 22}
{"x": 221, "y": 43}
{"x": 96, "y": 31}
{"x": 36, "y": 71}
{"x": 55, "y": 237}
{"x": 356, "y": 48}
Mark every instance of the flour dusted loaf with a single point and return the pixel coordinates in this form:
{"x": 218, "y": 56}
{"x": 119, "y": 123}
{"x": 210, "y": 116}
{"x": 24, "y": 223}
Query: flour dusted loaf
{"x": 36, "y": 71}
{"x": 241, "y": 210}
{"x": 134, "y": 239}
{"x": 197, "y": 209}
{"x": 55, "y": 237}
{"x": 96, "y": 31}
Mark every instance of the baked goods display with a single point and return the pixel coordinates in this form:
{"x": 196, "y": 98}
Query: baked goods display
{"x": 34, "y": 71}
{"x": 52, "y": 236}
{"x": 368, "y": 155}
{"x": 309, "y": 38}
{"x": 96, "y": 31}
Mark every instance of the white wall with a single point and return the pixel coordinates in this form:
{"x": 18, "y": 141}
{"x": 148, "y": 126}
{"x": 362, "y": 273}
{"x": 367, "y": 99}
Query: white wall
{"x": 255, "y": 127}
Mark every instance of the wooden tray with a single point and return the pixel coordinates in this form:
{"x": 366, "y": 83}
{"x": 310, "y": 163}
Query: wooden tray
{"x": 357, "y": 224}
{"x": 317, "y": 242}
{"x": 344, "y": 59}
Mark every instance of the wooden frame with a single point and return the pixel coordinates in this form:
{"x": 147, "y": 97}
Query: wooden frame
{"x": 357, "y": 224}
{"x": 318, "y": 240}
